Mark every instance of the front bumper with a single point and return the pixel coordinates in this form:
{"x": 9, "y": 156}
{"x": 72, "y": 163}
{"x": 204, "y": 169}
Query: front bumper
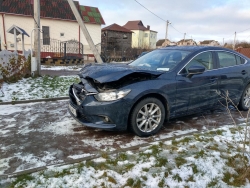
{"x": 103, "y": 115}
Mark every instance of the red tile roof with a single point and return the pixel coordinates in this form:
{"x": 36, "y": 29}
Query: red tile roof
{"x": 135, "y": 25}
{"x": 116, "y": 27}
{"x": 58, "y": 9}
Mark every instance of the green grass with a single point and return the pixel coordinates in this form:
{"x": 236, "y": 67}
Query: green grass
{"x": 42, "y": 87}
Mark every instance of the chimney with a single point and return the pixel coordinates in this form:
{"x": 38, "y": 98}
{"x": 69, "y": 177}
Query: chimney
{"x": 148, "y": 27}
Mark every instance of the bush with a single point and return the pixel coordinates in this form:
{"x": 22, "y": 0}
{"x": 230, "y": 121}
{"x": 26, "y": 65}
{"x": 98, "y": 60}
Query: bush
{"x": 16, "y": 69}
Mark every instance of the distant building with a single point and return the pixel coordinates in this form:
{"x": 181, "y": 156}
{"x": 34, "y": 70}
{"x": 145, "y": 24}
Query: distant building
{"x": 209, "y": 43}
{"x": 163, "y": 43}
{"x": 186, "y": 42}
{"x": 142, "y": 36}
{"x": 116, "y": 37}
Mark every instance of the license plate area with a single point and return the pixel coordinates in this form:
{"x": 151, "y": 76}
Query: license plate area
{"x": 73, "y": 110}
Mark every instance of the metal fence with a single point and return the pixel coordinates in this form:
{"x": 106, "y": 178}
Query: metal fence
{"x": 52, "y": 48}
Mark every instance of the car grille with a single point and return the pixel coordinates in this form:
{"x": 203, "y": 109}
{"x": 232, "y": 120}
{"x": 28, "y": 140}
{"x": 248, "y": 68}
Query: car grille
{"x": 76, "y": 93}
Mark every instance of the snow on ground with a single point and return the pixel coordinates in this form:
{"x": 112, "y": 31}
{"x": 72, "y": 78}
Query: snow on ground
{"x": 209, "y": 159}
{"x": 58, "y": 68}
{"x": 216, "y": 158}
{"x": 37, "y": 88}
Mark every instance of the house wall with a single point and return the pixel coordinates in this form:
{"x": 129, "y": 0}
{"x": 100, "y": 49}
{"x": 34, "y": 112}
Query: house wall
{"x": 153, "y": 39}
{"x": 69, "y": 28}
{"x": 137, "y": 39}
{"x": 115, "y": 39}
{"x": 144, "y": 39}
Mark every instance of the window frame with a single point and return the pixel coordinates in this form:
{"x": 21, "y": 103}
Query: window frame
{"x": 213, "y": 59}
{"x": 46, "y": 40}
{"x": 218, "y": 63}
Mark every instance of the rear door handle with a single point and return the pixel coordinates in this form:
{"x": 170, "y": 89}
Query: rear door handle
{"x": 243, "y": 72}
{"x": 213, "y": 79}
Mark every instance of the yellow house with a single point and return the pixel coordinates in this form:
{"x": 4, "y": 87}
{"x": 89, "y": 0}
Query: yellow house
{"x": 142, "y": 36}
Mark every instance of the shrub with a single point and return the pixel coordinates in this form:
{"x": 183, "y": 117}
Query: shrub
{"x": 16, "y": 69}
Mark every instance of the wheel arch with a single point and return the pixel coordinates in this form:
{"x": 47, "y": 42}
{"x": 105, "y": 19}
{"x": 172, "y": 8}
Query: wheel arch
{"x": 153, "y": 95}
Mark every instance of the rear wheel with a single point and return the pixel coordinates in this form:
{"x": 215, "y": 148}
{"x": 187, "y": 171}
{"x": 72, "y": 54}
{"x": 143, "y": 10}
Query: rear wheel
{"x": 244, "y": 103}
{"x": 147, "y": 117}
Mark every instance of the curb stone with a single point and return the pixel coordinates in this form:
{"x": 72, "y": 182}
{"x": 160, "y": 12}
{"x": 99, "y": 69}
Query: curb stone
{"x": 35, "y": 100}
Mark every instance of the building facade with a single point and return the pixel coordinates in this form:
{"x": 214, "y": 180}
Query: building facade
{"x": 116, "y": 37}
{"x": 209, "y": 43}
{"x": 186, "y": 42}
{"x": 142, "y": 36}
{"x": 57, "y": 23}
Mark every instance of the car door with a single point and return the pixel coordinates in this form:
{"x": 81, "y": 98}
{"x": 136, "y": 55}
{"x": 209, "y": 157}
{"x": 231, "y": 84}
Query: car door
{"x": 233, "y": 76}
{"x": 197, "y": 92}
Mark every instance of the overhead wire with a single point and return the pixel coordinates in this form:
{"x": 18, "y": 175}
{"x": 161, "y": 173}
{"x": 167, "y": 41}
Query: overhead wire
{"x": 158, "y": 16}
{"x": 177, "y": 29}
{"x": 151, "y": 11}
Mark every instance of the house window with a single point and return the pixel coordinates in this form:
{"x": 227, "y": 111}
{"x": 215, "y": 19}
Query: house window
{"x": 146, "y": 35}
{"x": 61, "y": 34}
{"x": 46, "y": 36}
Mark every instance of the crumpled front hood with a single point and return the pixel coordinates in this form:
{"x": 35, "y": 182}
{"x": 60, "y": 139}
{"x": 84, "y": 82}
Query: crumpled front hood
{"x": 104, "y": 73}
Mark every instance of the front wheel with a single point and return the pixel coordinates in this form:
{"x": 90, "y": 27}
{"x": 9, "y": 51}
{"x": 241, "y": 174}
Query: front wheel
{"x": 244, "y": 103}
{"x": 147, "y": 117}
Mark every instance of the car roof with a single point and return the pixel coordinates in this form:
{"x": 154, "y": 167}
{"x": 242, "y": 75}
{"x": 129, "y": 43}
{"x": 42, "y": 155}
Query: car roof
{"x": 195, "y": 48}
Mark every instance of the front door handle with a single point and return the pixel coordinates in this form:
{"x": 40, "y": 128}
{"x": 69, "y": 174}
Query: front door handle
{"x": 243, "y": 72}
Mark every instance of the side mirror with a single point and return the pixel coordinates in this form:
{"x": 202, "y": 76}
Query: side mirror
{"x": 196, "y": 69}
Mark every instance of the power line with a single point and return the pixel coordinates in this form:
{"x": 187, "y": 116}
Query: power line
{"x": 150, "y": 11}
{"x": 176, "y": 29}
{"x": 159, "y": 17}
{"x": 243, "y": 30}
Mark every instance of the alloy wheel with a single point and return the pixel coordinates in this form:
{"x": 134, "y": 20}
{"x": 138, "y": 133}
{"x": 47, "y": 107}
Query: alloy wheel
{"x": 148, "y": 117}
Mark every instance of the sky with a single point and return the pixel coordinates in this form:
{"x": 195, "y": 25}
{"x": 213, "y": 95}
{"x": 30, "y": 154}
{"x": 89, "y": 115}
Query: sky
{"x": 199, "y": 19}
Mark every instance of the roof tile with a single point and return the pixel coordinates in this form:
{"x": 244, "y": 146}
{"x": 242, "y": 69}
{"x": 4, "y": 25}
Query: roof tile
{"x": 58, "y": 9}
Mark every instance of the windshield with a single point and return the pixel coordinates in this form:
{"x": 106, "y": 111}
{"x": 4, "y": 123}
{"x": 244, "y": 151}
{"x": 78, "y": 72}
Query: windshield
{"x": 161, "y": 60}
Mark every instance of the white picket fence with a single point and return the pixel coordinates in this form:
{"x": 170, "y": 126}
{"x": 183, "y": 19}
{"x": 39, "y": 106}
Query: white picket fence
{"x": 6, "y": 55}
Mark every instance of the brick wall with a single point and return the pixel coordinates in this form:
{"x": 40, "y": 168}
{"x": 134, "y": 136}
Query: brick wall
{"x": 244, "y": 51}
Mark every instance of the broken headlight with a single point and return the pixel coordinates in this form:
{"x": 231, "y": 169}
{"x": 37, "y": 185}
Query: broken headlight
{"x": 112, "y": 95}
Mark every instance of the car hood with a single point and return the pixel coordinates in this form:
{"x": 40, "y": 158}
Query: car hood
{"x": 104, "y": 73}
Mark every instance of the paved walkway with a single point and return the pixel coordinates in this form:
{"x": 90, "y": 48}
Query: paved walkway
{"x": 39, "y": 134}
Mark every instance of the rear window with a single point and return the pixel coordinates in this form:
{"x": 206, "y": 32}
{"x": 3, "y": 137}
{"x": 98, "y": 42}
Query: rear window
{"x": 227, "y": 59}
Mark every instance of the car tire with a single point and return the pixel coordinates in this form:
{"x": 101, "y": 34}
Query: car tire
{"x": 244, "y": 103}
{"x": 147, "y": 117}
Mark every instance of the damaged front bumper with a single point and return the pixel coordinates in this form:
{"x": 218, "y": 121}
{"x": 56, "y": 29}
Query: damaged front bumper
{"x": 88, "y": 111}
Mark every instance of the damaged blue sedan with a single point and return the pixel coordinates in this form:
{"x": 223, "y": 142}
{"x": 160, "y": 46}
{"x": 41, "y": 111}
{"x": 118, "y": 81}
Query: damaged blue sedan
{"x": 165, "y": 83}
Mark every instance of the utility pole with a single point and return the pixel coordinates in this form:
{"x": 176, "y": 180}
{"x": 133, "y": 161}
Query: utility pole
{"x": 184, "y": 38}
{"x": 85, "y": 31}
{"x": 37, "y": 46}
{"x": 166, "y": 36}
{"x": 234, "y": 40}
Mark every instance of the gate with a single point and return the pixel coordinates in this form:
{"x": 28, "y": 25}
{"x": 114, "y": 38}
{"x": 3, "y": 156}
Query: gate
{"x": 53, "y": 48}
{"x": 71, "y": 49}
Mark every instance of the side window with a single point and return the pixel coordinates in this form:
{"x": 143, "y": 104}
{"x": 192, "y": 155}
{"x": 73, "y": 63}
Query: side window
{"x": 204, "y": 59}
{"x": 226, "y": 59}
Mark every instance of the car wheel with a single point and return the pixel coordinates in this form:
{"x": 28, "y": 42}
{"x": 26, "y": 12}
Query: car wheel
{"x": 244, "y": 103}
{"x": 147, "y": 117}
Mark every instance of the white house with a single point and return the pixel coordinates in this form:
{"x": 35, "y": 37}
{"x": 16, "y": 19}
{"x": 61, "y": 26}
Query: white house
{"x": 209, "y": 43}
{"x": 57, "y": 22}
{"x": 142, "y": 36}
{"x": 186, "y": 42}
